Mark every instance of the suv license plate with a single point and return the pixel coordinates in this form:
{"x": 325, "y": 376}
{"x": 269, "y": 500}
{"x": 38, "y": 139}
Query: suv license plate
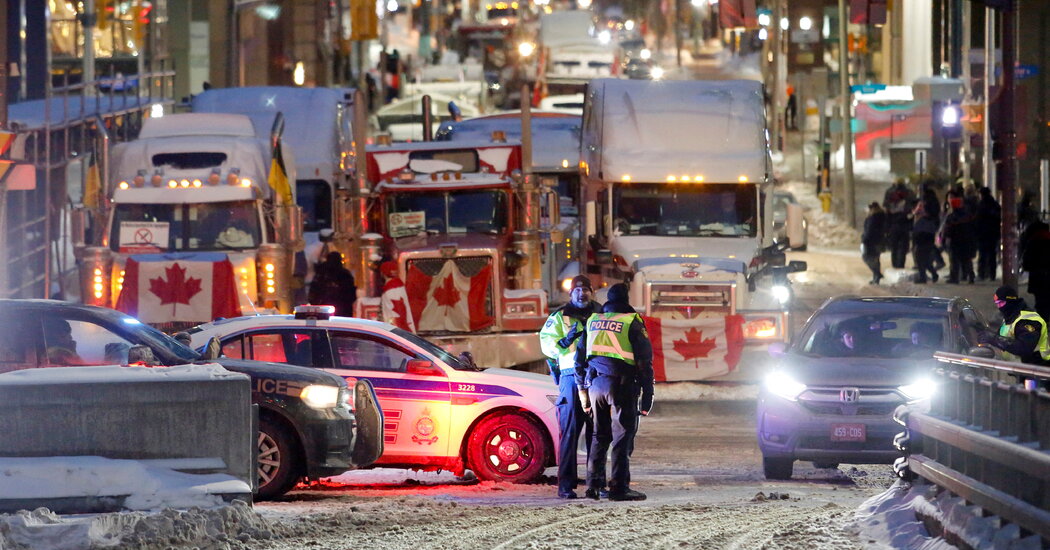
{"x": 848, "y": 432}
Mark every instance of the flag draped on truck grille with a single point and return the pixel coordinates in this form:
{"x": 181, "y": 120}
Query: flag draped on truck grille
{"x": 457, "y": 298}
{"x": 695, "y": 349}
{"x": 165, "y": 288}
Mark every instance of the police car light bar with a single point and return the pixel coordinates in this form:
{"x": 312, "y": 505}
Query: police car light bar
{"x": 321, "y": 313}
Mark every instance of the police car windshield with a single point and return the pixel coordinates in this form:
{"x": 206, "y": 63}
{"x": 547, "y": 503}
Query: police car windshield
{"x": 444, "y": 356}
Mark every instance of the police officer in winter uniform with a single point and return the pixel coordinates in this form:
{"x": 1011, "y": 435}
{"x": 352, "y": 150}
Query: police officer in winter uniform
{"x": 1023, "y": 334}
{"x": 558, "y": 340}
{"x": 613, "y": 364}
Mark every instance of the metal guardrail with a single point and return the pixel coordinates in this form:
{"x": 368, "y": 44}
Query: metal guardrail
{"x": 985, "y": 438}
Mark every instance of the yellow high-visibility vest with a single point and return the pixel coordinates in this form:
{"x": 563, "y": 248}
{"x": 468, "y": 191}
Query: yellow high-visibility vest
{"x": 608, "y": 335}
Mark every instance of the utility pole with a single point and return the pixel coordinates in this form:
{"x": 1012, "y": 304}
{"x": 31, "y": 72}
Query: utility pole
{"x": 988, "y": 162}
{"x": 845, "y": 99}
{"x": 774, "y": 92}
{"x": 88, "y": 24}
{"x": 1008, "y": 133}
{"x": 968, "y": 83}
{"x": 3, "y": 126}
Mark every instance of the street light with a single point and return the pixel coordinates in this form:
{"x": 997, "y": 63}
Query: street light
{"x": 805, "y": 23}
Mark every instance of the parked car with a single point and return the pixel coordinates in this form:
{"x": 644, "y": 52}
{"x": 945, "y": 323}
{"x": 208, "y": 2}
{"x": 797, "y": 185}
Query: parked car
{"x": 782, "y": 200}
{"x": 311, "y": 424}
{"x": 831, "y": 395}
{"x": 442, "y": 412}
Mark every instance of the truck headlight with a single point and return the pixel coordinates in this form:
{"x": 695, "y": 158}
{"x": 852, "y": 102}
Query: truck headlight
{"x": 782, "y": 384}
{"x": 782, "y": 293}
{"x": 919, "y": 390}
{"x": 320, "y": 397}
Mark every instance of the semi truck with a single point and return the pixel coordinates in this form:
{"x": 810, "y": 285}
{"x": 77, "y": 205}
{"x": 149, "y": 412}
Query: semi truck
{"x": 677, "y": 191}
{"x": 199, "y": 222}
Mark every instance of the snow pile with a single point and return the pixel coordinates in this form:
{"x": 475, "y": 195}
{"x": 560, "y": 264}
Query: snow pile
{"x": 232, "y": 526}
{"x": 825, "y": 228}
{"x": 697, "y": 391}
{"x": 898, "y": 518}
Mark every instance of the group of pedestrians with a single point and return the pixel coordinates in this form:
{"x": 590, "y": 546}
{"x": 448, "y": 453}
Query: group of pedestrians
{"x": 965, "y": 226}
{"x": 601, "y": 359}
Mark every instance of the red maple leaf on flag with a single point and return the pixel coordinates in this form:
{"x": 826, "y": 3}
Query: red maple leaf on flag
{"x": 177, "y": 289}
{"x": 694, "y": 345}
{"x": 402, "y": 313}
{"x": 447, "y": 294}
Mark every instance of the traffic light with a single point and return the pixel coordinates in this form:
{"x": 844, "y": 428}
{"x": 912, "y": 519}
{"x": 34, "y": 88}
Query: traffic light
{"x": 139, "y": 23}
{"x": 973, "y": 118}
{"x": 103, "y": 9}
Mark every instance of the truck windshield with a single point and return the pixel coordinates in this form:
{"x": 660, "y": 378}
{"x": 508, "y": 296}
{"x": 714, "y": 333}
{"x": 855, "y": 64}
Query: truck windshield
{"x": 146, "y": 228}
{"x": 687, "y": 210}
{"x": 449, "y": 212}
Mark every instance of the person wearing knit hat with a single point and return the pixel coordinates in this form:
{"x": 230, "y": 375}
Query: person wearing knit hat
{"x": 613, "y": 365}
{"x": 1023, "y": 335}
{"x": 559, "y": 337}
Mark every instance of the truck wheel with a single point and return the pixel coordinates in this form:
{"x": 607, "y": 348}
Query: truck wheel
{"x": 507, "y": 447}
{"x": 777, "y": 468}
{"x": 278, "y": 460}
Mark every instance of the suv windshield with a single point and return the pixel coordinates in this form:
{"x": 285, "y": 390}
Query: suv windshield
{"x": 469, "y": 211}
{"x": 883, "y": 335}
{"x": 196, "y": 227}
{"x": 689, "y": 210}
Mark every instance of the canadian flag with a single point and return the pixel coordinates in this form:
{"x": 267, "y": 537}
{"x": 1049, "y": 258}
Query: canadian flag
{"x": 165, "y": 288}
{"x": 695, "y": 349}
{"x": 449, "y": 301}
{"x": 395, "y": 305}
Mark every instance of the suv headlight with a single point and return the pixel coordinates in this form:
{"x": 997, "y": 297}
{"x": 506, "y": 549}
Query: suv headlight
{"x": 919, "y": 390}
{"x": 320, "y": 397}
{"x": 781, "y": 384}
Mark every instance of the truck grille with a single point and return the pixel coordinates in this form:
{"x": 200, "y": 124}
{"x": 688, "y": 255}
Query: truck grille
{"x": 665, "y": 298}
{"x": 469, "y": 266}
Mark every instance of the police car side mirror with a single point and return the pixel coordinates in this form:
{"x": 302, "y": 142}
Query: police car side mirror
{"x": 213, "y": 350}
{"x": 422, "y": 367}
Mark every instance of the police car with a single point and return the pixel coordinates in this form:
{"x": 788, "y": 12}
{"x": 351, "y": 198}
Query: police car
{"x": 440, "y": 412}
{"x": 311, "y": 424}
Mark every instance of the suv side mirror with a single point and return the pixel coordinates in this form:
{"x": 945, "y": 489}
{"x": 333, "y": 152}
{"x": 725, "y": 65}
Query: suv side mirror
{"x": 212, "y": 350}
{"x": 794, "y": 266}
{"x": 982, "y": 352}
{"x": 422, "y": 367}
{"x": 143, "y": 355}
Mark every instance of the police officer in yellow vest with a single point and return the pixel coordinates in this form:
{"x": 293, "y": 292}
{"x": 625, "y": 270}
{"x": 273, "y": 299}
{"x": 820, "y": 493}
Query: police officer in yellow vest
{"x": 558, "y": 340}
{"x": 613, "y": 366}
{"x": 1023, "y": 334}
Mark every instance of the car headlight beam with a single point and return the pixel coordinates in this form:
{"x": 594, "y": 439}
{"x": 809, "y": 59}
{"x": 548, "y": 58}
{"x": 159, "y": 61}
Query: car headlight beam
{"x": 782, "y": 293}
{"x": 783, "y": 385}
{"x": 919, "y": 390}
{"x": 320, "y": 397}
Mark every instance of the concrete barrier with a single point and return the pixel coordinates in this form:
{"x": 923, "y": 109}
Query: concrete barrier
{"x": 201, "y": 412}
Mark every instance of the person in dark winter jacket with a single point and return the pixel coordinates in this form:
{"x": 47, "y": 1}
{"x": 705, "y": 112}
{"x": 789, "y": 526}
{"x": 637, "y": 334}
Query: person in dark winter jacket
{"x": 898, "y": 202}
{"x": 989, "y": 220}
{"x": 923, "y": 235}
{"x": 1036, "y": 261}
{"x": 957, "y": 233}
{"x": 613, "y": 365}
{"x": 871, "y": 241}
{"x": 333, "y": 285}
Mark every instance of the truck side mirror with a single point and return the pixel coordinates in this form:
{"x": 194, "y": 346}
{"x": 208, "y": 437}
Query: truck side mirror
{"x": 795, "y": 266}
{"x": 604, "y": 256}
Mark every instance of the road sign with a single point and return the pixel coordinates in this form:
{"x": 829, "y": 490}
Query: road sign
{"x": 867, "y": 88}
{"x": 1026, "y": 71}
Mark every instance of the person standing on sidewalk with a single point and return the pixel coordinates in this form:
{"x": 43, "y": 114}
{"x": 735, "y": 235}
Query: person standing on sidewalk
{"x": 898, "y": 203}
{"x": 1036, "y": 261}
{"x": 872, "y": 239}
{"x": 559, "y": 339}
{"x": 957, "y": 233}
{"x": 613, "y": 365}
{"x": 989, "y": 219}
{"x": 923, "y": 235}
